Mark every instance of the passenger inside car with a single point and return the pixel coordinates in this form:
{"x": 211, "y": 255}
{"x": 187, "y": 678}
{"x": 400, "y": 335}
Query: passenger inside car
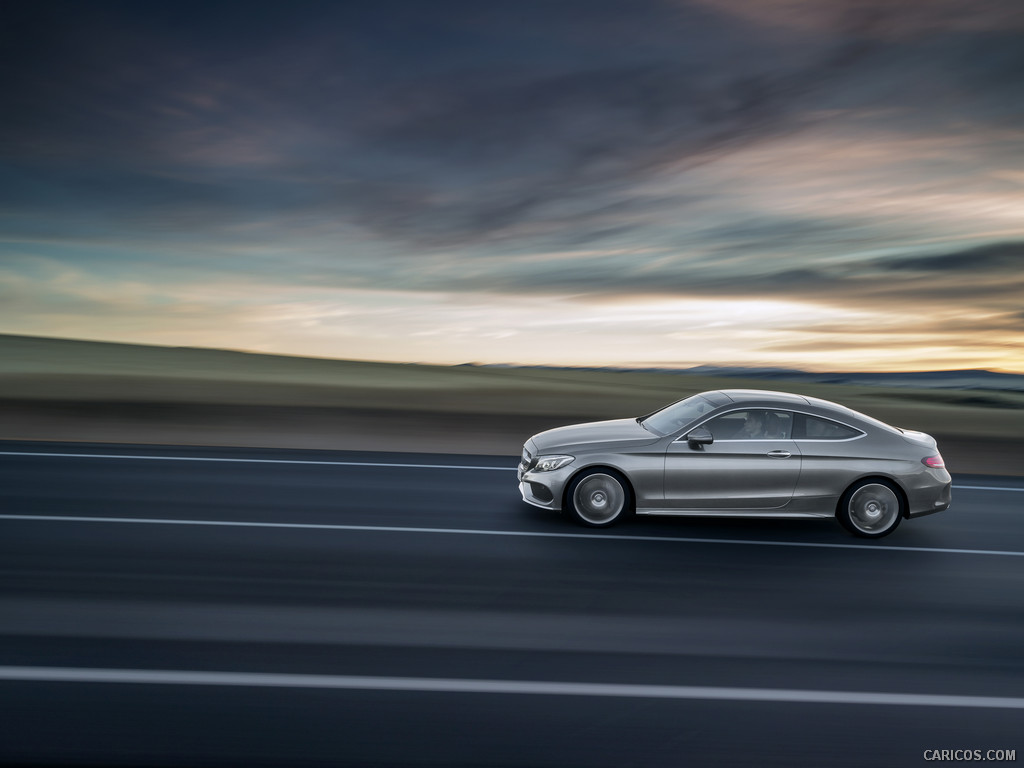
{"x": 754, "y": 427}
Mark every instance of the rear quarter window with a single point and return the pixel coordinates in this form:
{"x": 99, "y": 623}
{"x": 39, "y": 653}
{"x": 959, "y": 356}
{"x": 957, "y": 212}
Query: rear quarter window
{"x": 816, "y": 428}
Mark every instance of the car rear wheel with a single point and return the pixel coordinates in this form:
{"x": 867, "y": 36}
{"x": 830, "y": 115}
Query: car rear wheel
{"x": 598, "y": 497}
{"x": 871, "y": 508}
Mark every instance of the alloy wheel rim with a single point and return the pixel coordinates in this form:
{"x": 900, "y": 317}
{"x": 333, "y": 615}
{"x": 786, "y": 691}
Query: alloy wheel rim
{"x": 599, "y": 498}
{"x": 874, "y": 508}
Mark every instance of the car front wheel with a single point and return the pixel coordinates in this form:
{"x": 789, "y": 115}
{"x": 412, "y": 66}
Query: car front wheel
{"x": 598, "y": 497}
{"x": 871, "y": 508}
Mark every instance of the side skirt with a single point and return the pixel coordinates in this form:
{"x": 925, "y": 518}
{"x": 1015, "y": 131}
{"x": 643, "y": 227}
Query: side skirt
{"x": 767, "y": 513}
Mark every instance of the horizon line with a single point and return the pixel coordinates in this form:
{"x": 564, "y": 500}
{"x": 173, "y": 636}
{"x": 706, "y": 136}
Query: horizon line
{"x": 637, "y": 367}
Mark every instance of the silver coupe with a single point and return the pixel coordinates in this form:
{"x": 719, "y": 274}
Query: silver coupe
{"x": 739, "y": 453}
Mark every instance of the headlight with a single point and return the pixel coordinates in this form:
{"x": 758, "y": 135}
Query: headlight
{"x": 549, "y": 463}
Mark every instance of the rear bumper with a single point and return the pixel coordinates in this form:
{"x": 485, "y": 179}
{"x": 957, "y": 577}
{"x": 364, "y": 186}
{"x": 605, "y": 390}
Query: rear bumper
{"x": 932, "y": 492}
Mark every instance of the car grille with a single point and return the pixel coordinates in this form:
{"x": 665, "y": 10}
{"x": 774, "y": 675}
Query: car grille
{"x": 525, "y": 463}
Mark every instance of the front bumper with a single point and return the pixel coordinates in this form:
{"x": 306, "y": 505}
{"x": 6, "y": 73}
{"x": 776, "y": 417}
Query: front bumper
{"x": 538, "y": 494}
{"x": 542, "y": 489}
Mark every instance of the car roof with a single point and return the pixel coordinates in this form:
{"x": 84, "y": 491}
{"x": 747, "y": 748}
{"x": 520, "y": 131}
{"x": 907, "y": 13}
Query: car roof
{"x": 762, "y": 396}
{"x": 768, "y": 398}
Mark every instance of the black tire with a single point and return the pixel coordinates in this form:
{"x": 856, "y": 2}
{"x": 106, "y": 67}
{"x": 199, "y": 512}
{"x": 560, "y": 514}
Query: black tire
{"x": 871, "y": 508}
{"x": 598, "y": 497}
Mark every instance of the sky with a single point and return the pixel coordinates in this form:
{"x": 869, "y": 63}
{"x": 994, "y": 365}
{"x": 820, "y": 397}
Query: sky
{"x": 778, "y": 183}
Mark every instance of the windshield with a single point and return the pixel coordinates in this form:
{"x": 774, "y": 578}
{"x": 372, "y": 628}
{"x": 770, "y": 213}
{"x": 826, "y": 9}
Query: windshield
{"x": 674, "y": 417}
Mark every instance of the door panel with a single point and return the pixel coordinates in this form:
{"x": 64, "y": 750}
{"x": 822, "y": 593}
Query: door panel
{"x": 731, "y": 474}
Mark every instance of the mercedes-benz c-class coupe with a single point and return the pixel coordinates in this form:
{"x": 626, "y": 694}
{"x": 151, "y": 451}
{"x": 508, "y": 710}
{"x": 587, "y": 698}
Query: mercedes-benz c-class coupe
{"x": 739, "y": 453}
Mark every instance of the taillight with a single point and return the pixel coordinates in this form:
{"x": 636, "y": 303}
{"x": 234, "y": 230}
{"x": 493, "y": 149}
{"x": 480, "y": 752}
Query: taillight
{"x": 934, "y": 461}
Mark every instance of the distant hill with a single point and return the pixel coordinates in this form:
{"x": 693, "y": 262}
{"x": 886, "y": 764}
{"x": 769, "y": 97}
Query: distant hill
{"x": 964, "y": 379}
{"x": 38, "y": 354}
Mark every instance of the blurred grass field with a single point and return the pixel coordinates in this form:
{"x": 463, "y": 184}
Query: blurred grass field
{"x": 56, "y": 389}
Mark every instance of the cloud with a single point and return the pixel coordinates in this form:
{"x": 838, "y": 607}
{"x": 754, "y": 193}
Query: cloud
{"x": 988, "y": 259}
{"x": 851, "y": 155}
{"x": 875, "y": 18}
{"x": 480, "y": 133}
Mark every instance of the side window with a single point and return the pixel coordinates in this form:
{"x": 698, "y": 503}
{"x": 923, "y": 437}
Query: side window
{"x": 815, "y": 428}
{"x": 755, "y": 424}
{"x": 728, "y": 425}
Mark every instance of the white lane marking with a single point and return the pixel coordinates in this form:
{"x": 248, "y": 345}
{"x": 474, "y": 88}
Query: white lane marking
{"x": 249, "y": 461}
{"x": 231, "y": 460}
{"x": 528, "y": 687}
{"x": 987, "y": 488}
{"x": 485, "y": 532}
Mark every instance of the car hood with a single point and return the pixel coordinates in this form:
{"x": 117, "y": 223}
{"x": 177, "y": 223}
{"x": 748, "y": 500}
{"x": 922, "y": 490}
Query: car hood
{"x": 614, "y": 431}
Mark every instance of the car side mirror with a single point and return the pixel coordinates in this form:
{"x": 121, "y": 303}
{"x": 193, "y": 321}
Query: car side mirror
{"x": 700, "y": 436}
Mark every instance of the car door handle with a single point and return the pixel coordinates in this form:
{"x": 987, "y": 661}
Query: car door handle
{"x": 779, "y": 454}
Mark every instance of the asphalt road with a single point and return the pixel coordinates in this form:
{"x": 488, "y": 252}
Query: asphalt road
{"x": 311, "y": 608}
